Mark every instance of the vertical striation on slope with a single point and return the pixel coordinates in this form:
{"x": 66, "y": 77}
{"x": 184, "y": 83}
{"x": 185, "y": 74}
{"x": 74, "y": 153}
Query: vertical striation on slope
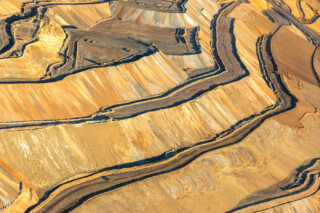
{"x": 90, "y": 14}
{"x": 89, "y": 90}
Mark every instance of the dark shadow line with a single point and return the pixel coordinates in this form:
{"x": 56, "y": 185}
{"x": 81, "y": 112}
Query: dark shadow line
{"x": 312, "y": 65}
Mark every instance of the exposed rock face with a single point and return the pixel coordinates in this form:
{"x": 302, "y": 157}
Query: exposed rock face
{"x": 174, "y": 105}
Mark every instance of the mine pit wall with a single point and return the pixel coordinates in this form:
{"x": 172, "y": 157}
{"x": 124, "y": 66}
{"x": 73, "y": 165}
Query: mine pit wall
{"x": 141, "y": 76}
{"x": 210, "y": 180}
{"x": 148, "y": 17}
{"x": 202, "y": 12}
{"x": 90, "y": 14}
{"x": 198, "y": 120}
{"x": 234, "y": 71}
{"x": 301, "y": 183}
{"x": 129, "y": 134}
{"x": 248, "y": 26}
{"x": 285, "y": 102}
{"x": 76, "y": 135}
{"x": 102, "y": 12}
{"x": 286, "y": 193}
{"x": 310, "y": 203}
{"x": 34, "y": 97}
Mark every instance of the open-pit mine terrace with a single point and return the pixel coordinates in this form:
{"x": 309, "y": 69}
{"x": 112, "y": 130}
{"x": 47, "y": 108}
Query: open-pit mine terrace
{"x": 98, "y": 98}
